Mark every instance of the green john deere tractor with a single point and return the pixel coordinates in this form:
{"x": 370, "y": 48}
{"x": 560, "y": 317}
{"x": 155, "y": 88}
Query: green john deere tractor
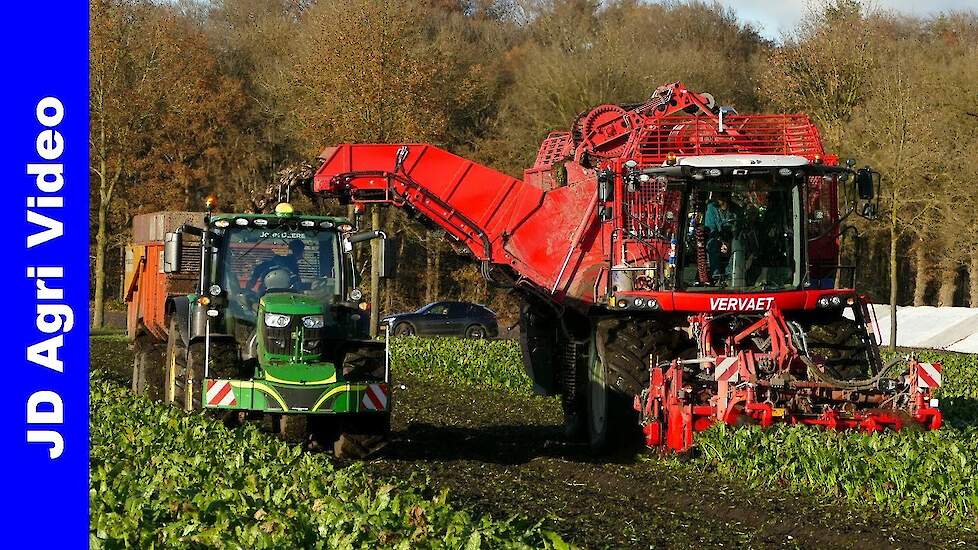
{"x": 277, "y": 329}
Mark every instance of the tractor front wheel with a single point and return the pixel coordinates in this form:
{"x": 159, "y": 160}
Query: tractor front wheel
{"x": 363, "y": 437}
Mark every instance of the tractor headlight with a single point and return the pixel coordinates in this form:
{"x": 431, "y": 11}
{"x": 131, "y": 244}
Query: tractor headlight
{"x": 312, "y": 321}
{"x": 639, "y": 302}
{"x": 836, "y": 301}
{"x": 276, "y": 320}
{"x": 652, "y": 303}
{"x": 214, "y": 290}
{"x": 823, "y": 302}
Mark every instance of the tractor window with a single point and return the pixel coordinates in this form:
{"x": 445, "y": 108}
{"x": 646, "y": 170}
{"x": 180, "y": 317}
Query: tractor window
{"x": 260, "y": 260}
{"x": 742, "y": 234}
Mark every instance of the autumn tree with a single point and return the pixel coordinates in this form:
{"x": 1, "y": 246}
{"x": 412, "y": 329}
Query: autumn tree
{"x": 125, "y": 68}
{"x": 383, "y": 71}
{"x": 582, "y": 53}
{"x": 164, "y": 128}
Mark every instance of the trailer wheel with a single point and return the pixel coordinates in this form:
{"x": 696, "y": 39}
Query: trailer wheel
{"x": 147, "y": 368}
{"x": 175, "y": 366}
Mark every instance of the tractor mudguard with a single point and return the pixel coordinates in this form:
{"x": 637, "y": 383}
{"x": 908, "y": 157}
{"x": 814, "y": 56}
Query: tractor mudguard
{"x": 179, "y": 307}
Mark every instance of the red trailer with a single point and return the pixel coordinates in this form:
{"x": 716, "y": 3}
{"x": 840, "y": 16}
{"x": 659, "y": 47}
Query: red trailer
{"x": 147, "y": 288}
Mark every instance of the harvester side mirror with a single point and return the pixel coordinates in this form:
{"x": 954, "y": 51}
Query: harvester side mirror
{"x": 172, "y": 252}
{"x": 388, "y": 258}
{"x": 865, "y": 184}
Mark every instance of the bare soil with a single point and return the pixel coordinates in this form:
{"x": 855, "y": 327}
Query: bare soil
{"x": 503, "y": 454}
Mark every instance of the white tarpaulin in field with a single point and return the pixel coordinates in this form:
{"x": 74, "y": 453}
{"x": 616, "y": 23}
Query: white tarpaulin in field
{"x": 945, "y": 328}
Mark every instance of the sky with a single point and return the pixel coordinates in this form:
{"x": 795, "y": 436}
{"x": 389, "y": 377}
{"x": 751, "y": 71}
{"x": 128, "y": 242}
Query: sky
{"x": 772, "y": 17}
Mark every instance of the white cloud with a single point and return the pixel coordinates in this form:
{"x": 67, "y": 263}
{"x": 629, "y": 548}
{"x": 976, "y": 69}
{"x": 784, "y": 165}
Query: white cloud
{"x": 774, "y": 17}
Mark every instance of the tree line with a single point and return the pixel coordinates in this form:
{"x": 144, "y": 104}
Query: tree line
{"x": 195, "y": 97}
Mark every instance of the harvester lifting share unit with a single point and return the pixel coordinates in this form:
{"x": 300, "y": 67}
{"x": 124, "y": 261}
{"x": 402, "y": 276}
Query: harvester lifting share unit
{"x": 679, "y": 265}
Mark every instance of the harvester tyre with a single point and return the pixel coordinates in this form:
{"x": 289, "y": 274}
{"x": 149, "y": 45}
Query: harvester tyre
{"x": 621, "y": 354}
{"x": 626, "y": 346}
{"x": 612, "y": 423}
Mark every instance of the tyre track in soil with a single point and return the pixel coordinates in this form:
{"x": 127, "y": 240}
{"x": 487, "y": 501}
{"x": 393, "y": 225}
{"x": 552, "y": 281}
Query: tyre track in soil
{"x": 503, "y": 454}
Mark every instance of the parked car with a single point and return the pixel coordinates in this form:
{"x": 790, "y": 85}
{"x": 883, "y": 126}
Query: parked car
{"x": 446, "y": 319}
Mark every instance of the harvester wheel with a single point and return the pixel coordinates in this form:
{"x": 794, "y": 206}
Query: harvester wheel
{"x": 174, "y": 375}
{"x": 842, "y": 346}
{"x": 573, "y": 398}
{"x": 612, "y": 422}
{"x": 626, "y": 344}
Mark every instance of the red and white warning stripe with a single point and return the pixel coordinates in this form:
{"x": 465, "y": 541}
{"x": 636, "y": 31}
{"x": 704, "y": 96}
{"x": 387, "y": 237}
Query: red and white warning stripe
{"x": 220, "y": 394}
{"x": 375, "y": 397}
{"x": 928, "y": 375}
{"x": 726, "y": 369}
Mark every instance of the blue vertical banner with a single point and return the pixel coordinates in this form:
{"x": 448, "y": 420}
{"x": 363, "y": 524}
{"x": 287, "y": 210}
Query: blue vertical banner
{"x": 45, "y": 263}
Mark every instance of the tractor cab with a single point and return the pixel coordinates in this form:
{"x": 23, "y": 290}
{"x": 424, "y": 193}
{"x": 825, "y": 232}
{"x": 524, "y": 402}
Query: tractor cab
{"x": 289, "y": 289}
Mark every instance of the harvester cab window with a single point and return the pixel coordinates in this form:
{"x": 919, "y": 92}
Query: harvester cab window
{"x": 260, "y": 260}
{"x": 743, "y": 233}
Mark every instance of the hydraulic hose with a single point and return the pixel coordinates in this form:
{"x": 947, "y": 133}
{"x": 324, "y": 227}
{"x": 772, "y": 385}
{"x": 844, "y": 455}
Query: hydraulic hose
{"x": 865, "y": 384}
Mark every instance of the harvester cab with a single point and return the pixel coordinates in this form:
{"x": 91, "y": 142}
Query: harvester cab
{"x": 276, "y": 326}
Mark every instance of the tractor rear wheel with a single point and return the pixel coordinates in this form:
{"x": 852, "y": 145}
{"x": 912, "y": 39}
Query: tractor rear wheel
{"x": 174, "y": 369}
{"x": 194, "y": 378}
